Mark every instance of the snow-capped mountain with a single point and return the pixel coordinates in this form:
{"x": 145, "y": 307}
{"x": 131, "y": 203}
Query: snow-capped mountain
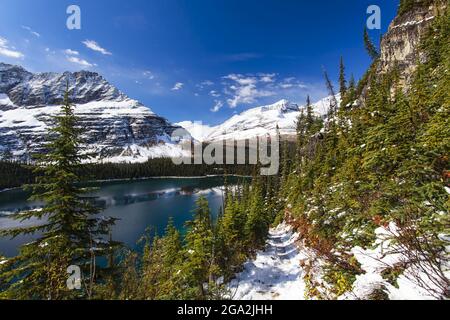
{"x": 255, "y": 122}
{"x": 116, "y": 127}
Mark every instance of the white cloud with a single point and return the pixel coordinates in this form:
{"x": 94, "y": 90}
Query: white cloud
{"x": 71, "y": 52}
{"x": 80, "y": 61}
{"x": 291, "y": 83}
{"x": 91, "y": 44}
{"x": 245, "y": 90}
{"x": 207, "y": 83}
{"x": 50, "y": 52}
{"x": 267, "y": 77}
{"x": 148, "y": 74}
{"x": 214, "y": 93}
{"x": 9, "y": 52}
{"x": 178, "y": 86}
{"x": 217, "y": 106}
{"x": 34, "y": 33}
{"x": 202, "y": 85}
{"x": 249, "y": 88}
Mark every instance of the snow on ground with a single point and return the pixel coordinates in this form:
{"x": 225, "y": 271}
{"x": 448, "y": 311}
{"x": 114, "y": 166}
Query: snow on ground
{"x": 140, "y": 154}
{"x": 384, "y": 255}
{"x": 275, "y": 274}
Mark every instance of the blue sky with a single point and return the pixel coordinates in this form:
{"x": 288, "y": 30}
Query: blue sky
{"x": 195, "y": 59}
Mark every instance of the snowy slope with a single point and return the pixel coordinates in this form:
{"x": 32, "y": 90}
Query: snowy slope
{"x": 419, "y": 281}
{"x": 116, "y": 128}
{"x": 258, "y": 121}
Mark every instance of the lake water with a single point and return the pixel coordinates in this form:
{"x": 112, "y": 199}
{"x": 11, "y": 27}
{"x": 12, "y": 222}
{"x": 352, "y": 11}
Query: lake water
{"x": 138, "y": 205}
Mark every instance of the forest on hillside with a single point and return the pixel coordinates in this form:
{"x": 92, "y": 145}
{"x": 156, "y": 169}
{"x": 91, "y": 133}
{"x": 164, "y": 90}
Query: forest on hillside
{"x": 380, "y": 158}
{"x": 15, "y": 174}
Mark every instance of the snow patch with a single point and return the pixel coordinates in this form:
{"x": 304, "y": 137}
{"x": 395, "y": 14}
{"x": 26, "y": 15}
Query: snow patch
{"x": 386, "y": 255}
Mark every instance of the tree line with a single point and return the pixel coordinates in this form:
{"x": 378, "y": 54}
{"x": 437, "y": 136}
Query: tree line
{"x": 379, "y": 157}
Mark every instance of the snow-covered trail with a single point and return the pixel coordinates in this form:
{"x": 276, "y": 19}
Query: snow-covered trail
{"x": 276, "y": 273}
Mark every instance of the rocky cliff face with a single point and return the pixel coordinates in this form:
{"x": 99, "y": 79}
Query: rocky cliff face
{"x": 116, "y": 128}
{"x": 400, "y": 45}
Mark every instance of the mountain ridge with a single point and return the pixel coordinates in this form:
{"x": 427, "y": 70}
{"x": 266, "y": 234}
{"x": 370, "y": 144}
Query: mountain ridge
{"x": 116, "y": 127}
{"x": 257, "y": 121}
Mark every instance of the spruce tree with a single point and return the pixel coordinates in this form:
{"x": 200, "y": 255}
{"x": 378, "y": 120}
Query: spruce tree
{"x": 199, "y": 262}
{"x": 68, "y": 233}
{"x": 342, "y": 80}
{"x": 370, "y": 47}
{"x": 257, "y": 224}
{"x": 351, "y": 83}
{"x": 229, "y": 245}
{"x": 333, "y": 101}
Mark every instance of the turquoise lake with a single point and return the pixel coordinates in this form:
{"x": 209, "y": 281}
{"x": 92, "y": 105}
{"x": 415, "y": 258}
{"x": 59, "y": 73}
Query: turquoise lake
{"x": 138, "y": 205}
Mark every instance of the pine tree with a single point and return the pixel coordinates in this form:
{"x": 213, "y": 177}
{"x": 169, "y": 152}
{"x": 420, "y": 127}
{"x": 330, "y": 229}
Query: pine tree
{"x": 342, "y": 80}
{"x": 257, "y": 224}
{"x": 370, "y": 47}
{"x": 199, "y": 264}
{"x": 333, "y": 101}
{"x": 351, "y": 92}
{"x": 301, "y": 131}
{"x": 69, "y": 232}
{"x": 351, "y": 83}
{"x": 310, "y": 119}
{"x": 230, "y": 246}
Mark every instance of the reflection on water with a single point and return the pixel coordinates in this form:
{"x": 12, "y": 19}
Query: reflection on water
{"x": 137, "y": 205}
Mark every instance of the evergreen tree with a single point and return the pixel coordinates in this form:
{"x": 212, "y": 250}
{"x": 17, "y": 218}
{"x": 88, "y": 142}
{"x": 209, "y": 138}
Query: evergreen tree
{"x": 301, "y": 132}
{"x": 199, "y": 264}
{"x": 333, "y": 101}
{"x": 370, "y": 47}
{"x": 230, "y": 246}
{"x": 257, "y": 224}
{"x": 342, "y": 80}
{"x": 351, "y": 83}
{"x": 69, "y": 232}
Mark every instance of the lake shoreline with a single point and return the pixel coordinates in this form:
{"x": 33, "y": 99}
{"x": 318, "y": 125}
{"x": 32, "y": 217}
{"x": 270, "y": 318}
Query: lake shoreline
{"x": 147, "y": 178}
{"x": 137, "y": 205}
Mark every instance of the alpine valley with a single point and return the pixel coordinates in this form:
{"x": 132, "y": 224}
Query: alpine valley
{"x": 116, "y": 128}
{"x": 358, "y": 210}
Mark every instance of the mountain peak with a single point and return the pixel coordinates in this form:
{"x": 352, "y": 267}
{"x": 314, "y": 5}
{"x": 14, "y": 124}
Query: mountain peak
{"x": 283, "y": 105}
{"x": 258, "y": 121}
{"x": 116, "y": 127}
{"x": 47, "y": 88}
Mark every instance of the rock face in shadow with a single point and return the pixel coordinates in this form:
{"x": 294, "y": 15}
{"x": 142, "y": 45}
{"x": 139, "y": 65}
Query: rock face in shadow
{"x": 115, "y": 127}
